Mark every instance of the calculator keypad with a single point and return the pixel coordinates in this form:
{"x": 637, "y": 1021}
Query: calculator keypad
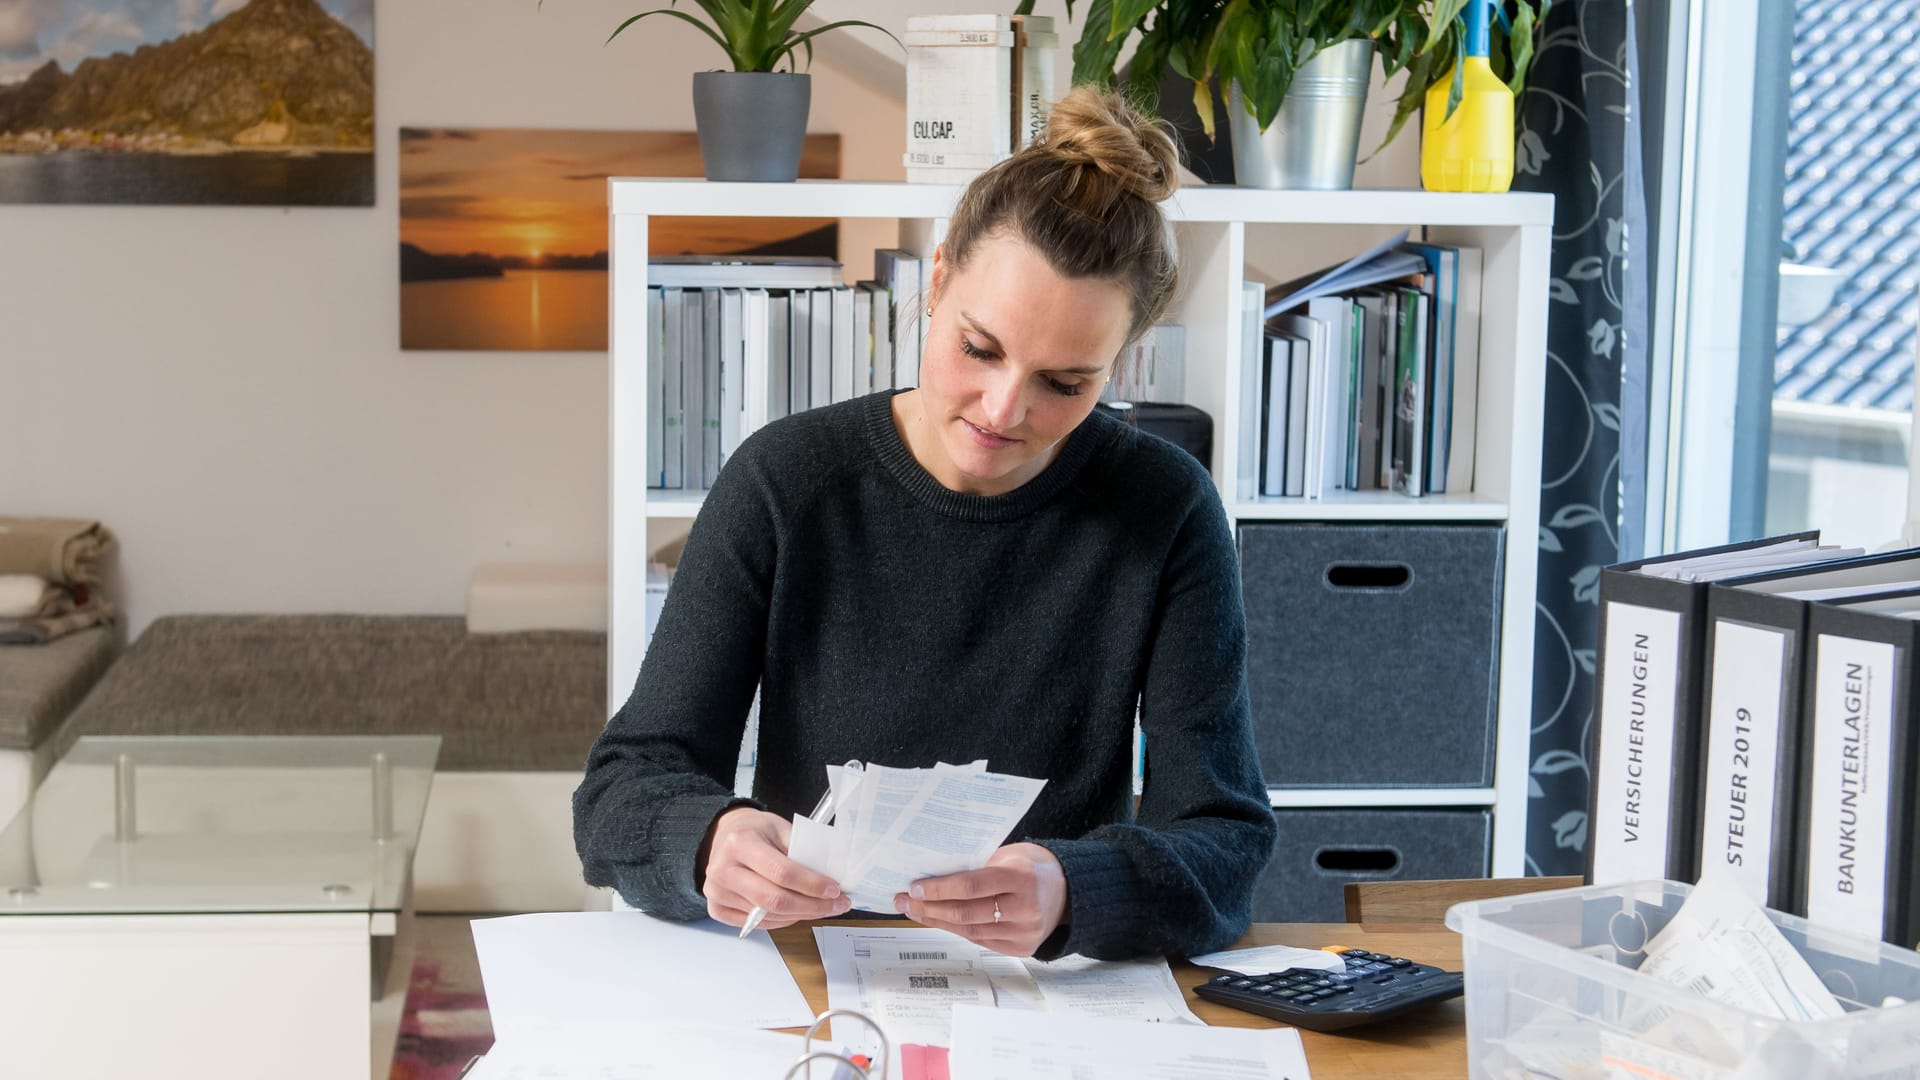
{"x": 1373, "y": 986}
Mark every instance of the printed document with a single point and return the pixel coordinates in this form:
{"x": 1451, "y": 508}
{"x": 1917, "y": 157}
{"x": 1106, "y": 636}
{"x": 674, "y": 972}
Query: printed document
{"x": 1264, "y": 959}
{"x": 886, "y": 828}
{"x": 625, "y": 967}
{"x": 1722, "y": 946}
{"x": 920, "y": 975}
{"x": 992, "y": 1044}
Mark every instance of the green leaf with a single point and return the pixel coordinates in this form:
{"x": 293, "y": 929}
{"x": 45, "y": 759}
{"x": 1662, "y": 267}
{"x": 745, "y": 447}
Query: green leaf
{"x": 1413, "y": 96}
{"x": 1521, "y": 46}
{"x": 807, "y": 38}
{"x": 1445, "y": 16}
{"x": 1128, "y": 15}
{"x": 704, "y": 28}
{"x": 1094, "y": 54}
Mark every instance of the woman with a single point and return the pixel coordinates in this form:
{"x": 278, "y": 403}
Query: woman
{"x": 982, "y": 567}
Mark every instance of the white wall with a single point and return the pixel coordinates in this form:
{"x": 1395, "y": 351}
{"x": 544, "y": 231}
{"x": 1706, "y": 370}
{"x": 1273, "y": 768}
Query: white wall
{"x": 223, "y": 386}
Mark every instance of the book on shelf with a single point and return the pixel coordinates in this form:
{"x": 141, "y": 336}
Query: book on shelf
{"x": 1152, "y": 369}
{"x": 711, "y": 346}
{"x": 1410, "y": 394}
{"x": 845, "y": 346}
{"x": 1391, "y": 386}
{"x": 733, "y": 377}
{"x": 1385, "y": 261}
{"x": 799, "y": 351}
{"x": 820, "y": 349}
{"x": 879, "y": 303}
{"x": 779, "y": 343}
{"x": 656, "y": 388}
{"x": 1441, "y": 284}
{"x": 743, "y": 271}
{"x": 667, "y": 368}
{"x": 900, "y": 272}
{"x": 1253, "y": 362}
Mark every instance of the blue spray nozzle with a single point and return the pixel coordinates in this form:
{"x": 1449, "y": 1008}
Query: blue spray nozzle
{"x": 1478, "y": 39}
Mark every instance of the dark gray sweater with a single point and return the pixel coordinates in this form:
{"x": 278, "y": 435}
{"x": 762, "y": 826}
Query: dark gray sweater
{"x": 888, "y": 619}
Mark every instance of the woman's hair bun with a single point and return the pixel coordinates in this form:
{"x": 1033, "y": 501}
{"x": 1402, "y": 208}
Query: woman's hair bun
{"x": 1096, "y": 127}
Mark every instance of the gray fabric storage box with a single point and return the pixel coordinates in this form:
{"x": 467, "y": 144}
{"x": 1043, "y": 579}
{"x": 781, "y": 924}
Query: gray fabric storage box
{"x": 1373, "y": 652}
{"x": 1319, "y": 851}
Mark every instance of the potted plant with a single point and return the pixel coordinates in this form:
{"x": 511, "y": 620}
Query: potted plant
{"x": 1263, "y": 49}
{"x": 752, "y": 120}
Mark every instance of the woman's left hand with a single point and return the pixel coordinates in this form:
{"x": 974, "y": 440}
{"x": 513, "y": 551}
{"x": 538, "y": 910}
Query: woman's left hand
{"x": 1010, "y": 905}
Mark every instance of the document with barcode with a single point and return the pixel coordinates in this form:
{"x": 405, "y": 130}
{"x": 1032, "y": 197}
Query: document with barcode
{"x": 914, "y": 978}
{"x": 1721, "y": 945}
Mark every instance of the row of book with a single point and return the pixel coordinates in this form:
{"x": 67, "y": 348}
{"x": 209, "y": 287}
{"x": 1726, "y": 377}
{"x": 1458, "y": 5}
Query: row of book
{"x": 725, "y": 334}
{"x": 1364, "y": 376}
{"x": 1756, "y": 712}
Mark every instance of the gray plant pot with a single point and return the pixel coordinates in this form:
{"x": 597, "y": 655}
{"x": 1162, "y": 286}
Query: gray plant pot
{"x": 1314, "y": 140}
{"x": 752, "y": 124}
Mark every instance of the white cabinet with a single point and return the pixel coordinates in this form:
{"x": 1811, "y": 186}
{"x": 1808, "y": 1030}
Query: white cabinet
{"x": 1215, "y": 226}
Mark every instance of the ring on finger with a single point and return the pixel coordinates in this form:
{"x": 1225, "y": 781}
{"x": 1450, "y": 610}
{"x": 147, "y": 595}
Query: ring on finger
{"x": 996, "y": 909}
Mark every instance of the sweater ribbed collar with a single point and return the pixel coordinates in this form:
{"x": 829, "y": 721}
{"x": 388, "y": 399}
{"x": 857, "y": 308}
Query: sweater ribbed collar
{"x": 1082, "y": 444}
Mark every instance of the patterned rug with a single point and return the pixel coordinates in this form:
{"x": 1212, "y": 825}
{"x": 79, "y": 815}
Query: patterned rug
{"x": 444, "y": 1024}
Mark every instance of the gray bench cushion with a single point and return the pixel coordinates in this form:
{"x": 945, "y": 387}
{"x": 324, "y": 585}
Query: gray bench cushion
{"x": 530, "y": 701}
{"x": 40, "y": 684}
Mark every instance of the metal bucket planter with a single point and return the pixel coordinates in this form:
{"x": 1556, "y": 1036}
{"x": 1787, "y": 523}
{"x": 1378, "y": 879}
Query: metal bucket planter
{"x": 752, "y": 124}
{"x": 1314, "y": 140}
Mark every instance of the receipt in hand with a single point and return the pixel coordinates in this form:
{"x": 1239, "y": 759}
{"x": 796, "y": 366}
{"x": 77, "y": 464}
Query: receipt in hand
{"x": 1722, "y": 945}
{"x": 891, "y": 827}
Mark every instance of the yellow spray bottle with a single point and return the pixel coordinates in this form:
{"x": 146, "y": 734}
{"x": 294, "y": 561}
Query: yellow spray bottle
{"x": 1472, "y": 150}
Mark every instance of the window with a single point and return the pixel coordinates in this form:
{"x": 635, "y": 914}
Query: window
{"x": 1809, "y": 425}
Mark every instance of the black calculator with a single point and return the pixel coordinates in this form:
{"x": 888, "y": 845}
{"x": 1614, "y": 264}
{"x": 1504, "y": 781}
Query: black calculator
{"x": 1374, "y": 987}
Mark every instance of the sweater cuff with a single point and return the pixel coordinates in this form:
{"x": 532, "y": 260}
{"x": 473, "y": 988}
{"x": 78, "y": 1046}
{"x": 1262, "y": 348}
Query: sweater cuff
{"x": 1103, "y": 898}
{"x": 664, "y": 886}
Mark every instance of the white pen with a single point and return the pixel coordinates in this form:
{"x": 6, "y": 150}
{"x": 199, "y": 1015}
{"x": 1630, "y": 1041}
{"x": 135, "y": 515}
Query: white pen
{"x": 758, "y": 913}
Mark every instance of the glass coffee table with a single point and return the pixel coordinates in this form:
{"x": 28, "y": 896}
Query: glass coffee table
{"x": 224, "y": 906}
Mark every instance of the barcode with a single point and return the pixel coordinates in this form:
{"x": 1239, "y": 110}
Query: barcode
{"x": 923, "y": 956}
{"x": 926, "y": 982}
{"x": 1701, "y": 985}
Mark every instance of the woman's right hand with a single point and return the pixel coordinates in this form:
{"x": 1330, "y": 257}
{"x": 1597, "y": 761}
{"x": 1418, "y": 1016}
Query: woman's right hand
{"x": 747, "y": 866}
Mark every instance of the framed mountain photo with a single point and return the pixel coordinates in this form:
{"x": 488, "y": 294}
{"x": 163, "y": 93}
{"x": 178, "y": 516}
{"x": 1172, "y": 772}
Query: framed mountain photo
{"x": 236, "y": 102}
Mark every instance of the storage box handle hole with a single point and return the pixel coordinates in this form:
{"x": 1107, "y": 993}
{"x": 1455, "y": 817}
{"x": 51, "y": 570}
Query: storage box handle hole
{"x": 1357, "y": 860}
{"x": 1628, "y": 932}
{"x": 1370, "y": 577}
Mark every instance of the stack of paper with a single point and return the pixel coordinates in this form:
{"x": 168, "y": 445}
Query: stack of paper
{"x": 891, "y": 827}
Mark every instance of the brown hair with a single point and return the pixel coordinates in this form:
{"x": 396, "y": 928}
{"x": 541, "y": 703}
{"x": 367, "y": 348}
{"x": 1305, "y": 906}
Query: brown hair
{"x": 1084, "y": 196}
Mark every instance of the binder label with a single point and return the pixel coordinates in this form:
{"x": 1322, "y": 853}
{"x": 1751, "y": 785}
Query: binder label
{"x": 1635, "y": 770}
{"x": 1743, "y": 754}
{"x": 1852, "y": 725}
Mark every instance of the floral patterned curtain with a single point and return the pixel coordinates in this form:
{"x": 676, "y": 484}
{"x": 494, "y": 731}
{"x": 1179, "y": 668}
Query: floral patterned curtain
{"x": 1578, "y": 138}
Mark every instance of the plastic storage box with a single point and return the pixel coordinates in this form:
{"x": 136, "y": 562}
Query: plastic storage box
{"x": 1552, "y": 992}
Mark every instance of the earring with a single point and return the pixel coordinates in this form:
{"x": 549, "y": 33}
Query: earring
{"x": 929, "y": 311}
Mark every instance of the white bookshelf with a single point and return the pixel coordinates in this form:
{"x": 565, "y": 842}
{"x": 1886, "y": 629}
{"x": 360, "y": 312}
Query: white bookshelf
{"x": 1213, "y": 225}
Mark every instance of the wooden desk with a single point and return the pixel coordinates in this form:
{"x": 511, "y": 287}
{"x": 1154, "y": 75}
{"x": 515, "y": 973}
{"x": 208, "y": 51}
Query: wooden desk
{"x": 1430, "y": 1044}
